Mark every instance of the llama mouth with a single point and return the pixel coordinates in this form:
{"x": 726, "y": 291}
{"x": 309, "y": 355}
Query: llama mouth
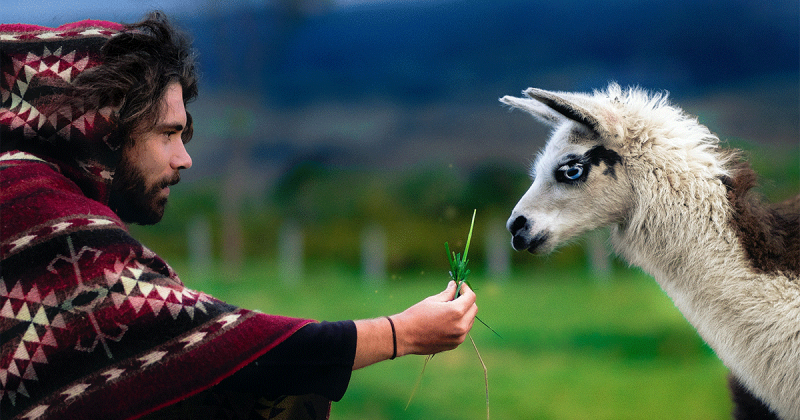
{"x": 520, "y": 242}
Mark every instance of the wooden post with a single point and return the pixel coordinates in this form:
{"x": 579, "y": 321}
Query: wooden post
{"x": 290, "y": 253}
{"x": 498, "y": 250}
{"x": 200, "y": 247}
{"x": 373, "y": 255}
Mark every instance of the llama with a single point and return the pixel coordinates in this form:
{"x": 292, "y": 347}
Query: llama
{"x": 678, "y": 206}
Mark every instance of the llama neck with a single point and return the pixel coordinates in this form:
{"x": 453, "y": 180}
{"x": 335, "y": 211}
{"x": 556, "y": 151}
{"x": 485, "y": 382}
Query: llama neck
{"x": 682, "y": 237}
{"x": 686, "y": 241}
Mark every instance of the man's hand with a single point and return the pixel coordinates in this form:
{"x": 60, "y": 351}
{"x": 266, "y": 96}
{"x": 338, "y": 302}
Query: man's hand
{"x": 437, "y": 323}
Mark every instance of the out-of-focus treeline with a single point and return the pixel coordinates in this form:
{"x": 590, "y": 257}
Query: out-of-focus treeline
{"x": 334, "y": 210}
{"x": 324, "y": 133}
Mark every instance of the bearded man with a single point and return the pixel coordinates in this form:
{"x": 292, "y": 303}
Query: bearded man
{"x": 93, "y": 325}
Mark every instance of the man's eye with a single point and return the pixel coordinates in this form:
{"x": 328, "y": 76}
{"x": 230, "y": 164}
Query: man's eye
{"x": 570, "y": 172}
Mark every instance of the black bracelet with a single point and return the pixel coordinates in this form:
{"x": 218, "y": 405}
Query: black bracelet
{"x": 394, "y": 339}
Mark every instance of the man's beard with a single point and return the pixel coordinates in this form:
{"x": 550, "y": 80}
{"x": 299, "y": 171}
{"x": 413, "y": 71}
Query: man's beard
{"x": 132, "y": 201}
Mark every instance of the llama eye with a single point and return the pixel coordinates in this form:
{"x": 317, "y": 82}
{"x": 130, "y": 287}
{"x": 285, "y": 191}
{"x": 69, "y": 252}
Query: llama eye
{"x": 572, "y": 171}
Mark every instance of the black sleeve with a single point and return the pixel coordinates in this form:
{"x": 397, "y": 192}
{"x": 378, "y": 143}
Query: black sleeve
{"x": 317, "y": 359}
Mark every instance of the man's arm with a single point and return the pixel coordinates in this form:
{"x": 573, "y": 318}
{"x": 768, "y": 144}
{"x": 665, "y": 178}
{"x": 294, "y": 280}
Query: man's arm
{"x": 436, "y": 324}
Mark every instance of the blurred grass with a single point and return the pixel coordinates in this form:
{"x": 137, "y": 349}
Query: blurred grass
{"x": 571, "y": 347}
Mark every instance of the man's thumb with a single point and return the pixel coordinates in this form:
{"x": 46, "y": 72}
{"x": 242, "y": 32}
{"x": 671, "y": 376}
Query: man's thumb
{"x": 449, "y": 292}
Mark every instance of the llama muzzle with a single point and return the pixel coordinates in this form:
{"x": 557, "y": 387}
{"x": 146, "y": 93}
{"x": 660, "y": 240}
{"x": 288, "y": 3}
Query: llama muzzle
{"x": 521, "y": 237}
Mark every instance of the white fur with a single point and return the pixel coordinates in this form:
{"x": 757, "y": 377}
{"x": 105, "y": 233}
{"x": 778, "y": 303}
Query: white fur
{"x": 669, "y": 215}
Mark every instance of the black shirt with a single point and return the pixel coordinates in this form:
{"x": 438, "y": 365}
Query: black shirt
{"x": 317, "y": 359}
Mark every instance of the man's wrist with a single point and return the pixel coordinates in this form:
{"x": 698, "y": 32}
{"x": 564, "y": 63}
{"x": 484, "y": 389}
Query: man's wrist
{"x": 394, "y": 338}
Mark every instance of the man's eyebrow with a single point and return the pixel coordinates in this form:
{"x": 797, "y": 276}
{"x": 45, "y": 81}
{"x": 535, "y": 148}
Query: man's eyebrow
{"x": 169, "y": 126}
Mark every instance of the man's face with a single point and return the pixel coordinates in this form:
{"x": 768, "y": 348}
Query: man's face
{"x": 141, "y": 183}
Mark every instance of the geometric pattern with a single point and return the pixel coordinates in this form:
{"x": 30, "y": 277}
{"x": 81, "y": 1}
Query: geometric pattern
{"x": 37, "y": 64}
{"x": 22, "y": 113}
{"x": 28, "y": 33}
{"x": 41, "y": 314}
{"x": 128, "y": 368}
{"x": 58, "y": 66}
{"x": 12, "y": 245}
{"x": 31, "y": 310}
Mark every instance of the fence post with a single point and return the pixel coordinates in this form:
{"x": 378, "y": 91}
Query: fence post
{"x": 373, "y": 255}
{"x": 498, "y": 250}
{"x": 199, "y": 246}
{"x": 290, "y": 253}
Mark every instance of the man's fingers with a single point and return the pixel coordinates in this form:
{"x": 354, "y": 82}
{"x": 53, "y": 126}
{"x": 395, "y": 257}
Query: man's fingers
{"x": 465, "y": 289}
{"x": 448, "y": 293}
{"x": 471, "y": 314}
{"x": 467, "y": 296}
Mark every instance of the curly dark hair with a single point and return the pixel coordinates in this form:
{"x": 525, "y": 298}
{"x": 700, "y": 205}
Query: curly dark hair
{"x": 138, "y": 65}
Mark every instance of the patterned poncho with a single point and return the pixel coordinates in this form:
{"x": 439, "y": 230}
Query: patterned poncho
{"x": 93, "y": 325}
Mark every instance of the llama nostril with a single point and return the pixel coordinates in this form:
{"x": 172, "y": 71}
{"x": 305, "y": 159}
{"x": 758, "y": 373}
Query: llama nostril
{"x": 518, "y": 223}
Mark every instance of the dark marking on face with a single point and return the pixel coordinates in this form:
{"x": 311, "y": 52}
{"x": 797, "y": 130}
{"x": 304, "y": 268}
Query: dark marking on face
{"x": 598, "y": 154}
{"x": 576, "y": 168}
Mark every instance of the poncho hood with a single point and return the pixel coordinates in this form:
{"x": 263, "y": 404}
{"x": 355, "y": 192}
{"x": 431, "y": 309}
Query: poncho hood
{"x": 36, "y": 65}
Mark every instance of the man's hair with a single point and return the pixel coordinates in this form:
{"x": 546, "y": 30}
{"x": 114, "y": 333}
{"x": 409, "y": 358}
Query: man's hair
{"x": 138, "y": 65}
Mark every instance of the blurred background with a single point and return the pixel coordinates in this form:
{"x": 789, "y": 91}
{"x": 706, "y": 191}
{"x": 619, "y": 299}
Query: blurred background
{"x": 339, "y": 144}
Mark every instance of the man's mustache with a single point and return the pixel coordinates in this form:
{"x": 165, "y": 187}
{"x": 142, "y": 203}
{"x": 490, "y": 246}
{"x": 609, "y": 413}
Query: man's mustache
{"x": 170, "y": 181}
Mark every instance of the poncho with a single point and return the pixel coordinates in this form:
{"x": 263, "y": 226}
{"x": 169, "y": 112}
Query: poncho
{"x": 93, "y": 325}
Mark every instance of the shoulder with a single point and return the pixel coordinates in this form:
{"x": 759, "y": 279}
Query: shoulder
{"x": 30, "y": 174}
{"x": 36, "y": 193}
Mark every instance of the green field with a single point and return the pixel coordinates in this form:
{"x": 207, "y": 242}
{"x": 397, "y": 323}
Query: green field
{"x": 571, "y": 347}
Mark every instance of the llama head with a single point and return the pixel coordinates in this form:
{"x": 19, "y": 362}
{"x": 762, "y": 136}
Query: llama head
{"x": 579, "y": 182}
{"x": 604, "y": 146}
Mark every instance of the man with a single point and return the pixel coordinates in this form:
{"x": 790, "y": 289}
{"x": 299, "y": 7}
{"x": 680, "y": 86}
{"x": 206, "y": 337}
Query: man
{"x": 93, "y": 127}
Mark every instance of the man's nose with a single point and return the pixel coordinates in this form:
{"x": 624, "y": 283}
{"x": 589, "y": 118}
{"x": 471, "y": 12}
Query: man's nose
{"x": 181, "y": 158}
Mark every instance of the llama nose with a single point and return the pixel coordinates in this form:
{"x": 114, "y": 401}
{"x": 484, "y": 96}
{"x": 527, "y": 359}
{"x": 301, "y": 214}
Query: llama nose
{"x": 515, "y": 224}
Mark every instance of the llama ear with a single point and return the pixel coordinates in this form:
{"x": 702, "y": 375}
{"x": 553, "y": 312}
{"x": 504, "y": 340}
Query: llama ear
{"x": 567, "y": 109}
{"x": 542, "y": 112}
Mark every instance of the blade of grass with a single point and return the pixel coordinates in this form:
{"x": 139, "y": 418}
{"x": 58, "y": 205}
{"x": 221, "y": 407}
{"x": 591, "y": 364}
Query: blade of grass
{"x": 469, "y": 236}
{"x": 485, "y": 374}
{"x": 419, "y": 380}
{"x": 461, "y": 275}
{"x": 487, "y": 326}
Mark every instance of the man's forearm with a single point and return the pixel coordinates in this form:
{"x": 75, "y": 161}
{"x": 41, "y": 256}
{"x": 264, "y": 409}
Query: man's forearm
{"x": 374, "y": 342}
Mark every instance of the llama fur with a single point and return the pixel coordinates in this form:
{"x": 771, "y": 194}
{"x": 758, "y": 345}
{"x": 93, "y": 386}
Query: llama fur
{"x": 680, "y": 207}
